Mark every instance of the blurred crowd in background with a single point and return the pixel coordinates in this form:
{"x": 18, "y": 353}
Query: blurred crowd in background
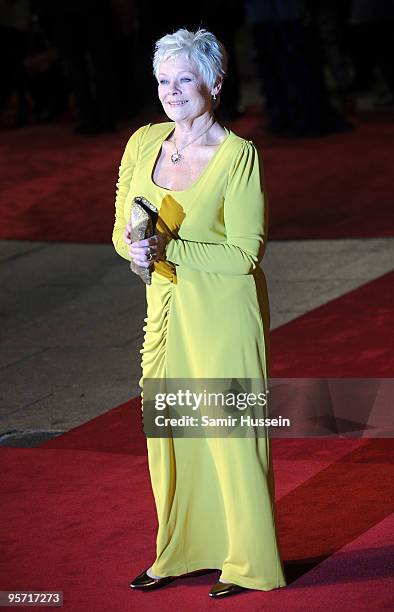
{"x": 92, "y": 59}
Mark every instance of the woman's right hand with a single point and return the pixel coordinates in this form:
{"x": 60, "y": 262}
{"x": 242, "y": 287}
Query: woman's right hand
{"x": 142, "y": 252}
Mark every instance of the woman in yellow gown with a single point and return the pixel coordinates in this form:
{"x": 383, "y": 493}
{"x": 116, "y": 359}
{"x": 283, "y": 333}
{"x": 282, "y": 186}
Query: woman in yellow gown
{"x": 207, "y": 317}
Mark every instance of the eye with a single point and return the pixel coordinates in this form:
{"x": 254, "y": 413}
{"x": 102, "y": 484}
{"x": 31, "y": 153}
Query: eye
{"x": 163, "y": 81}
{"x": 186, "y": 79}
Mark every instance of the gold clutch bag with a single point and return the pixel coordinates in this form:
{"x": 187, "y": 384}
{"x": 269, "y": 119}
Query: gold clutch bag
{"x": 143, "y": 219}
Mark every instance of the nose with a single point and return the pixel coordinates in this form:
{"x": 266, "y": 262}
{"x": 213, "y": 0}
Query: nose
{"x": 175, "y": 89}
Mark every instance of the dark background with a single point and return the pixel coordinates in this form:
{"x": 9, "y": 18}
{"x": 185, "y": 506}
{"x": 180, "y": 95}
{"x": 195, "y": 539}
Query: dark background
{"x": 313, "y": 63}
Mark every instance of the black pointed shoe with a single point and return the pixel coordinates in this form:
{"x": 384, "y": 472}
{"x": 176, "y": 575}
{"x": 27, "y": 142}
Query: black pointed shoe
{"x": 146, "y": 583}
{"x": 224, "y": 589}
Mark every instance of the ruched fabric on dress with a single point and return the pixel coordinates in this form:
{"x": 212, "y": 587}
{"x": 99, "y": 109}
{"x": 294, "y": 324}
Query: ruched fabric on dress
{"x": 153, "y": 351}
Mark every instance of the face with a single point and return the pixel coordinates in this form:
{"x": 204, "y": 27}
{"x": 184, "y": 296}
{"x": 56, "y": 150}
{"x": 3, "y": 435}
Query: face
{"x": 181, "y": 89}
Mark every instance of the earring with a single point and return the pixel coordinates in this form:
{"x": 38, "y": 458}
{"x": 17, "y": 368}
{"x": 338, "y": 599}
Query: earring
{"x": 213, "y": 96}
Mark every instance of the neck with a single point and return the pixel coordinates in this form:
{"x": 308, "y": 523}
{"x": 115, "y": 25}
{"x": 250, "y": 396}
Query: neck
{"x": 186, "y": 130}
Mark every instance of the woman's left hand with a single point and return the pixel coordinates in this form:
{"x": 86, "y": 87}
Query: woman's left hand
{"x": 144, "y": 252}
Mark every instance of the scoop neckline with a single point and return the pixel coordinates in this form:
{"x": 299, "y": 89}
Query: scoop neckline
{"x": 204, "y": 172}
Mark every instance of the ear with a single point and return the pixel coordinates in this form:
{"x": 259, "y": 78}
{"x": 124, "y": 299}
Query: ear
{"x": 218, "y": 86}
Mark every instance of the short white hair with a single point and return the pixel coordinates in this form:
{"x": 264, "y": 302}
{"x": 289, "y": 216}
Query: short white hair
{"x": 201, "y": 47}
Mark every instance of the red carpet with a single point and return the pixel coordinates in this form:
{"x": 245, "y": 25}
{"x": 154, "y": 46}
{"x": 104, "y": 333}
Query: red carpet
{"x": 60, "y": 187}
{"x": 84, "y": 522}
{"x": 349, "y": 337}
{"x": 79, "y": 513}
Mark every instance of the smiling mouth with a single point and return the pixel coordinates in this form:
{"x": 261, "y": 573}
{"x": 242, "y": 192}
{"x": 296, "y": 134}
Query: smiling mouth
{"x": 178, "y": 103}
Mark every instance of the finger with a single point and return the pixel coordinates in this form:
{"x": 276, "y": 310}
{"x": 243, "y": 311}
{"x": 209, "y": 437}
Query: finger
{"x": 142, "y": 243}
{"x": 146, "y": 241}
{"x": 143, "y": 263}
{"x": 140, "y": 256}
{"x": 142, "y": 253}
{"x": 144, "y": 250}
{"x": 137, "y": 248}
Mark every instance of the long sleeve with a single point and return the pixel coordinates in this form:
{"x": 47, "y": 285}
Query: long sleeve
{"x": 126, "y": 169}
{"x": 245, "y": 219}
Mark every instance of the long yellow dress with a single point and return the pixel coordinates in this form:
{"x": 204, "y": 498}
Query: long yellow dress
{"x": 207, "y": 317}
